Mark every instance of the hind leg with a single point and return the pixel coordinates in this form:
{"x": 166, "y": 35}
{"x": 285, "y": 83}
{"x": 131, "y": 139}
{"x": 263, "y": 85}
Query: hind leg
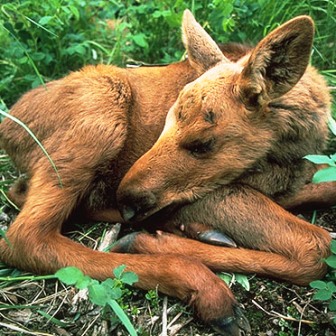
{"x": 18, "y": 192}
{"x": 312, "y": 196}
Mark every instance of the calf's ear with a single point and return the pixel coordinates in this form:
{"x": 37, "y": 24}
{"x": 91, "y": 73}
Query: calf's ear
{"x": 277, "y": 63}
{"x": 203, "y": 52}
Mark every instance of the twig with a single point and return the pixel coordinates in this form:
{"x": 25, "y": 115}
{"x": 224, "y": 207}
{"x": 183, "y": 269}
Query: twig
{"x": 164, "y": 316}
{"x": 90, "y": 324}
{"x": 16, "y": 328}
{"x": 174, "y": 319}
{"x": 110, "y": 237}
{"x": 276, "y": 314}
{"x": 301, "y": 315}
{"x": 177, "y": 327}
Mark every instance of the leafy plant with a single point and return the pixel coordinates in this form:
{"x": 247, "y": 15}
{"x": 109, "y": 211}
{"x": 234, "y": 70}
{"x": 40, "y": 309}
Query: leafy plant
{"x": 105, "y": 293}
{"x": 44, "y": 41}
{"x": 327, "y": 174}
{"x": 233, "y": 278}
{"x": 326, "y": 289}
{"x": 153, "y": 297}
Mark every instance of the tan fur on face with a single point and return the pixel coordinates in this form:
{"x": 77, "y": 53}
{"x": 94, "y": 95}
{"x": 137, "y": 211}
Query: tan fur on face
{"x": 238, "y": 99}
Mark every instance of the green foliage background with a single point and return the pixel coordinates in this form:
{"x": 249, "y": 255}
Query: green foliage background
{"x": 43, "y": 40}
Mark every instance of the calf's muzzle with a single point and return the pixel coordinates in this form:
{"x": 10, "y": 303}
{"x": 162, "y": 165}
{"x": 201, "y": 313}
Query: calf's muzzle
{"x": 135, "y": 203}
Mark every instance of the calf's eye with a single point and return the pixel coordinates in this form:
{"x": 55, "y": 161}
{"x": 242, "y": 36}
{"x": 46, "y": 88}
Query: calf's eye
{"x": 199, "y": 148}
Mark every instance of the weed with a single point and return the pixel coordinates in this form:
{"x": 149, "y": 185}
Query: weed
{"x": 152, "y": 296}
{"x": 326, "y": 289}
{"x": 233, "y": 278}
{"x": 105, "y": 293}
{"x": 43, "y": 41}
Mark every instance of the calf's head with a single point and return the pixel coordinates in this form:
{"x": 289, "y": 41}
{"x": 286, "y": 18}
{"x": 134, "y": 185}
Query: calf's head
{"x": 221, "y": 123}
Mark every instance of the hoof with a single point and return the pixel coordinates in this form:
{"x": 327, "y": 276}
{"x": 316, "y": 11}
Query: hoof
{"x": 216, "y": 238}
{"x": 124, "y": 245}
{"x": 235, "y": 325}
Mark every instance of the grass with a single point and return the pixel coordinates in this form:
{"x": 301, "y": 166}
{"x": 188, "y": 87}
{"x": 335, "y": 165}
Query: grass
{"x": 45, "y": 40}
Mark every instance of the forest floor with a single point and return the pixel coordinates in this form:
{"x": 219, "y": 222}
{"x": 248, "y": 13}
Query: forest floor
{"x": 48, "y": 307}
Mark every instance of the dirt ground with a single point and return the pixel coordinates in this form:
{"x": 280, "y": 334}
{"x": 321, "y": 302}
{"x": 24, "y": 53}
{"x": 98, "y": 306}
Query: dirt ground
{"x": 47, "y": 307}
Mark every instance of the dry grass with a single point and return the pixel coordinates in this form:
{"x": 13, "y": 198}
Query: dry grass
{"x": 31, "y": 305}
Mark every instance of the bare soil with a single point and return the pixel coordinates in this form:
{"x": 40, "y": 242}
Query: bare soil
{"x": 47, "y": 307}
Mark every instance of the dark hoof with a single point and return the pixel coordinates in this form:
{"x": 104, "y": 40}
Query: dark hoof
{"x": 236, "y": 325}
{"x": 216, "y": 238}
{"x": 124, "y": 245}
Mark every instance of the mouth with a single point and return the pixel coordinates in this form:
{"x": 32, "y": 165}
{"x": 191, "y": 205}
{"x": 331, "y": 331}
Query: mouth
{"x": 132, "y": 214}
{"x": 136, "y": 207}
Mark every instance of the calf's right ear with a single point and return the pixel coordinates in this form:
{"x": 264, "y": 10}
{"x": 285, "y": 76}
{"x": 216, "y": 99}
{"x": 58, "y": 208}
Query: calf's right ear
{"x": 277, "y": 63}
{"x": 203, "y": 52}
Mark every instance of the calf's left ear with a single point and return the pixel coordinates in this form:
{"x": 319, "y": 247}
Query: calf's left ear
{"x": 203, "y": 52}
{"x": 277, "y": 63}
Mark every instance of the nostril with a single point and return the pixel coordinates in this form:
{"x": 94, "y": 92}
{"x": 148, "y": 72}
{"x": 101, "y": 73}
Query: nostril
{"x": 133, "y": 204}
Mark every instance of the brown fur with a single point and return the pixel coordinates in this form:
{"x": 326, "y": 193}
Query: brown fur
{"x": 232, "y": 146}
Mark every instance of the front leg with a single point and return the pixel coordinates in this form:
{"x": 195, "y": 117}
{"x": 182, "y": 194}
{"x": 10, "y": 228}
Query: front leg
{"x": 272, "y": 241}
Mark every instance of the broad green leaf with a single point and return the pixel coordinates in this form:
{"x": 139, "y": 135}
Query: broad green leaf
{"x": 75, "y": 12}
{"x": 83, "y": 282}
{"x": 45, "y": 20}
{"x": 118, "y": 271}
{"x": 332, "y": 305}
{"x": 109, "y": 283}
{"x": 333, "y": 246}
{"x": 123, "y": 317}
{"x": 227, "y": 278}
{"x": 325, "y": 175}
{"x": 140, "y": 40}
{"x": 115, "y": 293}
{"x": 97, "y": 294}
{"x": 322, "y": 295}
{"x": 80, "y": 49}
{"x": 331, "y": 261}
{"x": 37, "y": 56}
{"x": 318, "y": 284}
{"x": 331, "y": 286}
{"x": 112, "y": 292}
{"x": 243, "y": 280}
{"x": 161, "y": 13}
{"x": 320, "y": 159}
{"x": 69, "y": 275}
{"x": 129, "y": 278}
{"x": 227, "y": 9}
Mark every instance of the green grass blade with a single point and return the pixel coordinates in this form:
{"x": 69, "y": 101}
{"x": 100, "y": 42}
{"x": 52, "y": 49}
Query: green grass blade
{"x": 40, "y": 26}
{"x": 52, "y": 319}
{"x": 26, "y": 128}
{"x": 123, "y": 317}
{"x": 28, "y": 277}
{"x": 8, "y": 200}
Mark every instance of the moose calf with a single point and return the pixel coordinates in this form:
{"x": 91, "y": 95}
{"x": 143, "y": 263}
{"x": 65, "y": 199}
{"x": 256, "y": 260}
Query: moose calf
{"x": 227, "y": 163}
